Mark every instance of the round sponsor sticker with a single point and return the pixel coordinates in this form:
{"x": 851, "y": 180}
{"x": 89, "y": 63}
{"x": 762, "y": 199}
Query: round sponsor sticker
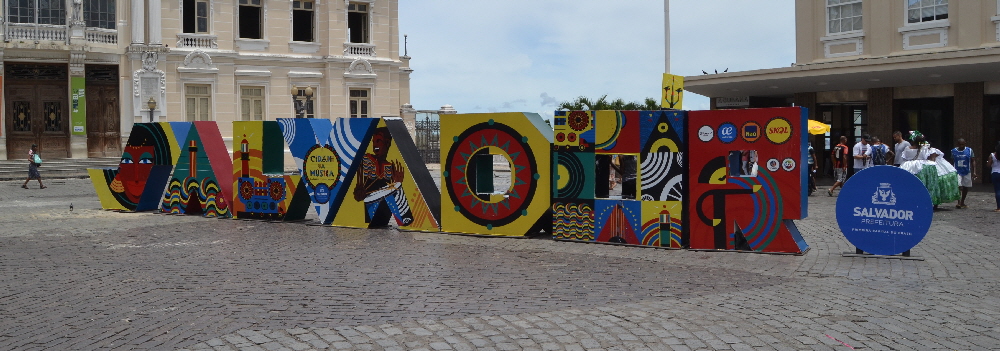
{"x": 727, "y": 132}
{"x": 788, "y": 164}
{"x": 773, "y": 165}
{"x": 778, "y": 130}
{"x": 706, "y": 133}
{"x": 751, "y": 131}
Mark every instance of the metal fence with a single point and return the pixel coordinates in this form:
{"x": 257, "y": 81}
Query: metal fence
{"x": 428, "y": 136}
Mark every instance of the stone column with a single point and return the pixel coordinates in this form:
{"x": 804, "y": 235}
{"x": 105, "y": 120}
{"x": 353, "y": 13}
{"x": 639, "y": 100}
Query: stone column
{"x": 155, "y": 21}
{"x": 138, "y": 22}
{"x": 969, "y": 117}
{"x": 881, "y": 112}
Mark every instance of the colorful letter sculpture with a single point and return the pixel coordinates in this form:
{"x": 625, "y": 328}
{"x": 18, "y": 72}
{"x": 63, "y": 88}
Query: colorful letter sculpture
{"x": 392, "y": 181}
{"x": 262, "y": 191}
{"x": 646, "y": 151}
{"x": 706, "y": 180}
{"x": 146, "y": 164}
{"x": 195, "y": 187}
{"x": 748, "y": 179}
{"x": 325, "y": 153}
{"x": 469, "y": 202}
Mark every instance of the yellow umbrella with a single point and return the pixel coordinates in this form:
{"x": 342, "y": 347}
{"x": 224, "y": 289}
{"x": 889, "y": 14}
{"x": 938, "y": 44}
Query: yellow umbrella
{"x": 817, "y": 127}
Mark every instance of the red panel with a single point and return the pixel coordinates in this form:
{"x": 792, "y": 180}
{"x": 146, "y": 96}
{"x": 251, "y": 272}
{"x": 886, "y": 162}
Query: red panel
{"x": 728, "y": 196}
{"x": 218, "y": 156}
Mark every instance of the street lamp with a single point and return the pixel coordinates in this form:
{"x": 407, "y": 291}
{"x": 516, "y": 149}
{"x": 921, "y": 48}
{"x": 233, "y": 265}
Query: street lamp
{"x": 299, "y": 105}
{"x": 152, "y": 106}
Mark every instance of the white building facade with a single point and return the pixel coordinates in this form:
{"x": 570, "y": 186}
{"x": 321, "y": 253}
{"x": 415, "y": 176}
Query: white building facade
{"x": 78, "y": 73}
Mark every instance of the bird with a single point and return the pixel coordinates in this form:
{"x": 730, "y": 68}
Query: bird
{"x": 716, "y": 71}
{"x": 703, "y": 72}
{"x": 727, "y": 70}
{"x": 71, "y": 207}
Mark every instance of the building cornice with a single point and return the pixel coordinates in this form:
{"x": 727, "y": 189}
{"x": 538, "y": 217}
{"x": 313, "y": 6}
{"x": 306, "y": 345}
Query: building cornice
{"x": 236, "y": 55}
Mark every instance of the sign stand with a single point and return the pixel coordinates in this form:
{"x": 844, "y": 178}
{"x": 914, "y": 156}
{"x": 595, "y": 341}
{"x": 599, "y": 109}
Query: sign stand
{"x": 861, "y": 253}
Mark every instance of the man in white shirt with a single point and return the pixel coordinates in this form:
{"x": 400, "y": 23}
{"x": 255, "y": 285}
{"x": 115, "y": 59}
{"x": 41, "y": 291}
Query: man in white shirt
{"x": 901, "y": 145}
{"x": 862, "y": 154}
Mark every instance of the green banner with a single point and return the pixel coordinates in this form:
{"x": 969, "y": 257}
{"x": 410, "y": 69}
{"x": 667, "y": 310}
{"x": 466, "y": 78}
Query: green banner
{"x": 78, "y": 116}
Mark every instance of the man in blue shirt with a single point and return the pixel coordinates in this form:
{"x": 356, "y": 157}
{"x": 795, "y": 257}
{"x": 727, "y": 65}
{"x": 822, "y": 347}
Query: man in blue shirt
{"x": 965, "y": 162}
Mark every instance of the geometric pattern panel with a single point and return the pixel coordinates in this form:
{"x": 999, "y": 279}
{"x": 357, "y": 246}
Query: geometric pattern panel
{"x": 654, "y": 140}
{"x": 574, "y": 175}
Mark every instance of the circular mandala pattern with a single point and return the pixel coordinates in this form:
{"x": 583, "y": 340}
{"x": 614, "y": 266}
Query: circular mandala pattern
{"x": 516, "y": 200}
{"x": 578, "y": 120}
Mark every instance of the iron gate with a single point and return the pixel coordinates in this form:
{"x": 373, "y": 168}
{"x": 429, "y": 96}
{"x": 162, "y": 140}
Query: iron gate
{"x": 428, "y": 132}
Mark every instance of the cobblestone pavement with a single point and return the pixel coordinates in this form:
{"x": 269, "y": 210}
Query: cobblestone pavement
{"x": 94, "y": 280}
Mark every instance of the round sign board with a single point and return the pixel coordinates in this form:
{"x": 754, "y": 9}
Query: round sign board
{"x": 884, "y": 210}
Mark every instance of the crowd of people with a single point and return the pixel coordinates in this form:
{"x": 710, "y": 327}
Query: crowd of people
{"x": 945, "y": 181}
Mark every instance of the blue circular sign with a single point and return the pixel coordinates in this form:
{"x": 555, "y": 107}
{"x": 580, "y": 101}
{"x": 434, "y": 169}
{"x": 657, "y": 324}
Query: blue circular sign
{"x": 321, "y": 193}
{"x": 727, "y": 132}
{"x": 884, "y": 210}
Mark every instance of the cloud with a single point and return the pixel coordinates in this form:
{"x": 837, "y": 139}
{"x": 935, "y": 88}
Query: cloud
{"x": 548, "y": 100}
{"x": 510, "y": 104}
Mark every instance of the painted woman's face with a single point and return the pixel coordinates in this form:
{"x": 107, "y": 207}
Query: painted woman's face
{"x": 137, "y": 162}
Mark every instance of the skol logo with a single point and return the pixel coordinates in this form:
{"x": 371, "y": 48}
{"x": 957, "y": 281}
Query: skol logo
{"x": 779, "y": 130}
{"x": 751, "y": 132}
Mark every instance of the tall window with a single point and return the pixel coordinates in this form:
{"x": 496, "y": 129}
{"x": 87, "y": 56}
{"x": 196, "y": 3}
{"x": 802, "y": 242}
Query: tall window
{"x": 926, "y": 10}
{"x": 843, "y": 16}
{"x": 100, "y": 13}
{"x": 199, "y": 102}
{"x": 37, "y": 11}
{"x": 302, "y": 20}
{"x": 357, "y": 22}
{"x": 359, "y": 103}
{"x": 252, "y": 105}
{"x": 251, "y": 19}
{"x": 196, "y": 16}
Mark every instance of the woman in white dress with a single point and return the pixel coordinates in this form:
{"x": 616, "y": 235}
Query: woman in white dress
{"x": 928, "y": 164}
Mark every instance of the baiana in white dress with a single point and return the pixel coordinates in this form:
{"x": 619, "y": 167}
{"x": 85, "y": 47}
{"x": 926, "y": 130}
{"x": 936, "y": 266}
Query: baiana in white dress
{"x": 939, "y": 176}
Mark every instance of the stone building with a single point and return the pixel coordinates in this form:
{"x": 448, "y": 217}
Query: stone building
{"x": 877, "y": 66}
{"x": 78, "y": 73}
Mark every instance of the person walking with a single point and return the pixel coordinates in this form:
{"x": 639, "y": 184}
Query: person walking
{"x": 862, "y": 154}
{"x": 901, "y": 147}
{"x": 994, "y": 164}
{"x": 964, "y": 160}
{"x": 880, "y": 152}
{"x": 839, "y": 157}
{"x": 33, "y": 167}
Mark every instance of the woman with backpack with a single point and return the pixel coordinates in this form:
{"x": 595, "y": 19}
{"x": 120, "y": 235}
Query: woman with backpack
{"x": 33, "y": 162}
{"x": 994, "y": 164}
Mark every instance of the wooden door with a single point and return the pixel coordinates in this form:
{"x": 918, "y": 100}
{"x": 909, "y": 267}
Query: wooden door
{"x": 37, "y": 114}
{"x": 103, "y": 122}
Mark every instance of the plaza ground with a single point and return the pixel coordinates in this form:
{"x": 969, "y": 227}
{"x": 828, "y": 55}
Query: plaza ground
{"x": 88, "y": 279}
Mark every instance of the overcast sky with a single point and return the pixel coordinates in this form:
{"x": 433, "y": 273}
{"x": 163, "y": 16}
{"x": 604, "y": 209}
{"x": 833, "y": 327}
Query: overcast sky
{"x": 529, "y": 55}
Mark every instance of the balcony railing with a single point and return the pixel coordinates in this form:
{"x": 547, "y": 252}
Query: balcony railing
{"x": 102, "y": 36}
{"x": 200, "y": 41}
{"x": 359, "y": 49}
{"x": 31, "y": 31}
